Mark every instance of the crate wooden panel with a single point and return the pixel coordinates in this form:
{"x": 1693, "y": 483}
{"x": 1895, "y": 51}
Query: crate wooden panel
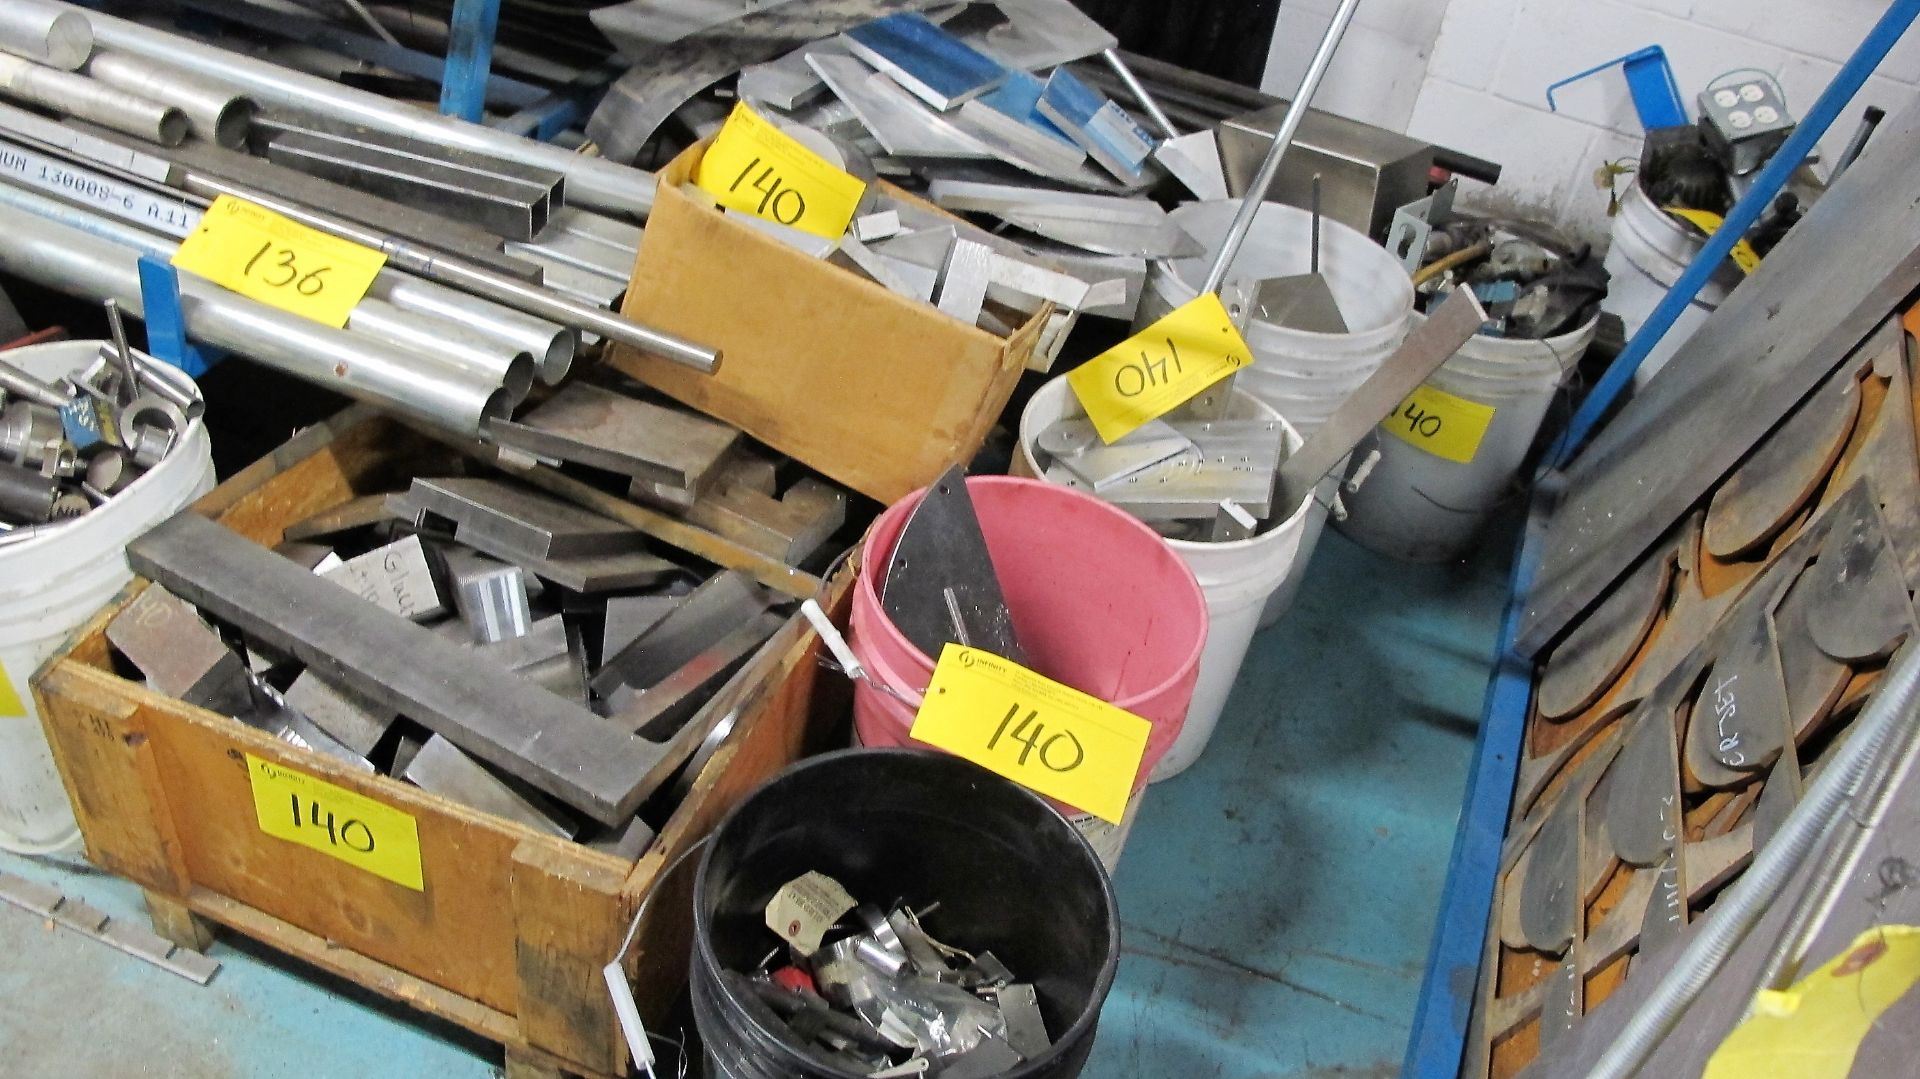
{"x": 508, "y": 937}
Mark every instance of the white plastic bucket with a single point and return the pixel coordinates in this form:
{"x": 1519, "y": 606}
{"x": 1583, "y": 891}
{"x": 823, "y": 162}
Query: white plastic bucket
{"x": 1648, "y": 253}
{"x": 1237, "y": 578}
{"x": 52, "y": 584}
{"x": 1418, "y": 506}
{"x": 1304, "y": 375}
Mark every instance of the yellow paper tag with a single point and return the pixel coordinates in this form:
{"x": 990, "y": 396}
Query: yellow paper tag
{"x": 333, "y": 820}
{"x": 756, "y": 168}
{"x": 1744, "y": 256}
{"x": 1048, "y": 737}
{"x": 1813, "y": 1030}
{"x": 1440, "y": 423}
{"x": 11, "y": 706}
{"x": 281, "y": 263}
{"x": 1160, "y": 368}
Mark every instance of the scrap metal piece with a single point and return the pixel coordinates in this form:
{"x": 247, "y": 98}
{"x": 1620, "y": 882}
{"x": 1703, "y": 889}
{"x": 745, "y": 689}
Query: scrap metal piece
{"x": 1859, "y": 607}
{"x": 1642, "y": 810}
{"x": 180, "y": 655}
{"x": 903, "y": 126}
{"x": 1194, "y": 160}
{"x": 1666, "y": 912}
{"x": 1101, "y": 127}
{"x": 1739, "y": 720}
{"x": 963, "y": 284}
{"x": 630, "y": 842}
{"x": 790, "y": 528}
{"x": 564, "y": 750}
{"x": 509, "y": 521}
{"x": 928, "y": 62}
{"x": 1777, "y": 478}
{"x": 134, "y": 940}
{"x": 1548, "y": 906}
{"x": 360, "y": 512}
{"x": 1597, "y": 650}
{"x": 789, "y": 82}
{"x": 1560, "y": 1008}
{"x": 627, "y": 617}
{"x": 657, "y": 710}
{"x": 1815, "y": 680}
{"x": 984, "y": 1061}
{"x": 604, "y": 429}
{"x": 1026, "y": 1027}
{"x": 1431, "y": 344}
{"x": 353, "y": 719}
{"x": 396, "y": 578}
{"x": 1106, "y": 224}
{"x": 440, "y": 767}
{"x": 940, "y": 562}
{"x": 1104, "y": 465}
{"x": 491, "y": 596}
{"x": 897, "y": 275}
{"x": 714, "y": 609}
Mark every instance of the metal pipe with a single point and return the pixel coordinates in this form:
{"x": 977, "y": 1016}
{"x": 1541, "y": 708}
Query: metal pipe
{"x": 77, "y": 95}
{"x": 551, "y": 345}
{"x": 213, "y": 111}
{"x": 508, "y": 367}
{"x": 50, "y": 34}
{"x": 488, "y": 326}
{"x": 1256, "y": 192}
{"x": 1139, "y": 92}
{"x": 532, "y": 299}
{"x": 451, "y": 339}
{"x": 591, "y": 181}
{"x": 1886, "y": 730}
{"x": 413, "y": 384}
{"x": 18, "y": 383}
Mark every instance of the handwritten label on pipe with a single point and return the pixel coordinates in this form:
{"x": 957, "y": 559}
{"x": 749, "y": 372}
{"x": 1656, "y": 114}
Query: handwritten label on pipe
{"x": 1444, "y": 425}
{"x": 281, "y": 263}
{"x": 1048, "y": 737}
{"x": 1160, "y": 368}
{"x": 756, "y": 168}
{"x": 335, "y": 821}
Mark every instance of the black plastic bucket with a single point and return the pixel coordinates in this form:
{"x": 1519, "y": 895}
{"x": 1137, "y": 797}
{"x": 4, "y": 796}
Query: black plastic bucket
{"x": 1011, "y": 876}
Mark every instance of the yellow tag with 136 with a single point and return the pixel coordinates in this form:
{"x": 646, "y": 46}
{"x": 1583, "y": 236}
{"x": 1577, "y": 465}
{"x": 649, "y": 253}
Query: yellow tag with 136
{"x": 1160, "y": 368}
{"x": 335, "y": 821}
{"x": 1048, "y": 737}
{"x": 756, "y": 168}
{"x": 279, "y": 262}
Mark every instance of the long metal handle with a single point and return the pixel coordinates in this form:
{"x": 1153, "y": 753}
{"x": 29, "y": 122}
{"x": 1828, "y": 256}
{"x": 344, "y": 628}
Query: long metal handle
{"x": 1256, "y": 192}
{"x": 1139, "y": 92}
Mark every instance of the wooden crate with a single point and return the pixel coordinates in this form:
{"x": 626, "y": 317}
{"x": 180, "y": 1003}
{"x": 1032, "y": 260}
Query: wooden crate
{"x": 511, "y": 931}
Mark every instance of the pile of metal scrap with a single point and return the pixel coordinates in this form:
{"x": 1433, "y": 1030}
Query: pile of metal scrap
{"x": 472, "y": 635}
{"x": 497, "y": 267}
{"x": 1533, "y": 283}
{"x": 871, "y": 991}
{"x": 71, "y": 445}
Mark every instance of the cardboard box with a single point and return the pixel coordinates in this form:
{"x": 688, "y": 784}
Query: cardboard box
{"x": 878, "y": 392}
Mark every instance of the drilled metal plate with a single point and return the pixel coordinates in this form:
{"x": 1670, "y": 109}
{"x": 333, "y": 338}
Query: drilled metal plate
{"x": 940, "y": 583}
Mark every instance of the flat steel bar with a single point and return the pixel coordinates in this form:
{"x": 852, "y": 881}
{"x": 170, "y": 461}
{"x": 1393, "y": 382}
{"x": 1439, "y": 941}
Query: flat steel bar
{"x": 560, "y": 748}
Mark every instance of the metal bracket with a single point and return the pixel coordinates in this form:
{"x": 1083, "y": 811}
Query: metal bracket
{"x": 1415, "y": 222}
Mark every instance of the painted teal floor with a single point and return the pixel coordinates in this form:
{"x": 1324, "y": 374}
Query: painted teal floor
{"x": 1278, "y": 897}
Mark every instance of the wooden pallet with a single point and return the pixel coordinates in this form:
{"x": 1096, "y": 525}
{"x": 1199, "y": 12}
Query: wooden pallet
{"x": 511, "y": 931}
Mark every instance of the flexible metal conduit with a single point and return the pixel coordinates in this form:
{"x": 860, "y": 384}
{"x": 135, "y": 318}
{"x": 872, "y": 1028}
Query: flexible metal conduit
{"x": 413, "y": 384}
{"x": 591, "y": 181}
{"x": 1888, "y": 726}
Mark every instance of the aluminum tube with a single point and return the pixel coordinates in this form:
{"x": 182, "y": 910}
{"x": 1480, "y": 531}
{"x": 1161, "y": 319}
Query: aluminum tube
{"x": 412, "y": 384}
{"x": 77, "y": 95}
{"x": 214, "y": 111}
{"x": 499, "y": 332}
{"x": 505, "y": 366}
{"x": 551, "y": 345}
{"x": 532, "y": 299}
{"x": 452, "y": 340}
{"x": 1256, "y": 192}
{"x": 51, "y": 34}
{"x": 591, "y": 181}
{"x": 1139, "y": 92}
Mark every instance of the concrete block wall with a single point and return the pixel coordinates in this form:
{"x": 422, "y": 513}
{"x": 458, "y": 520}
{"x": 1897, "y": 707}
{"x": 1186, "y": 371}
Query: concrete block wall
{"x": 1472, "y": 74}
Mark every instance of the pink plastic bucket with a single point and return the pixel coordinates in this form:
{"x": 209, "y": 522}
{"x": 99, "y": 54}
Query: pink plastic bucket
{"x": 1099, "y": 601}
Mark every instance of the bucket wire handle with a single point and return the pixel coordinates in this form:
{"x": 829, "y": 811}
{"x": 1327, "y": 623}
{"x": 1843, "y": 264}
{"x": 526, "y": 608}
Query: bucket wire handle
{"x": 624, "y": 1006}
